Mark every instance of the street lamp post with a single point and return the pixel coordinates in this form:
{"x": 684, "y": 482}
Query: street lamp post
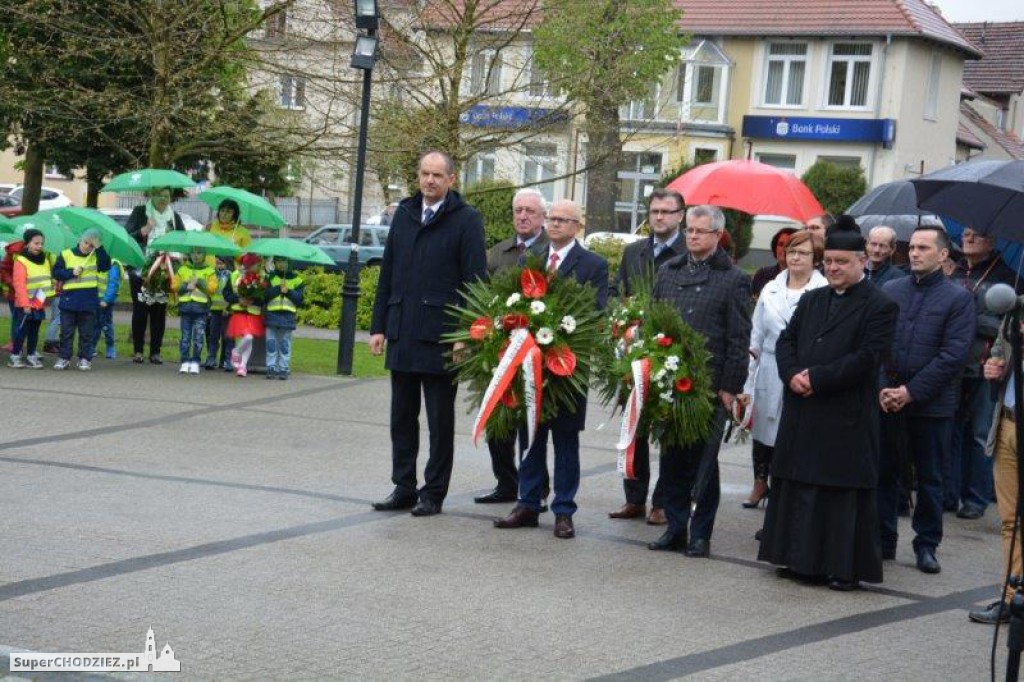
{"x": 363, "y": 57}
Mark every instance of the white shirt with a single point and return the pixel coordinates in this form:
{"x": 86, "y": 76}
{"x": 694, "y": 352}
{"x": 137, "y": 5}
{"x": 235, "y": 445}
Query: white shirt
{"x": 433, "y": 207}
{"x": 562, "y": 253}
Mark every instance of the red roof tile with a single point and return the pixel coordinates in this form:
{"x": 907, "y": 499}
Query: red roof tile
{"x": 1008, "y": 141}
{"x": 965, "y": 136}
{"x": 1001, "y": 71}
{"x": 902, "y": 18}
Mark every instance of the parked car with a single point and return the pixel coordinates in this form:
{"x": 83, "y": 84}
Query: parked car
{"x": 9, "y": 208}
{"x": 48, "y": 197}
{"x": 624, "y": 237}
{"x": 121, "y": 216}
{"x": 336, "y": 240}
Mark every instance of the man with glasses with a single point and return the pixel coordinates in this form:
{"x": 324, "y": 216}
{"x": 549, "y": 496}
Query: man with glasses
{"x": 967, "y": 475}
{"x": 529, "y": 209}
{"x": 713, "y": 297}
{"x": 640, "y": 260}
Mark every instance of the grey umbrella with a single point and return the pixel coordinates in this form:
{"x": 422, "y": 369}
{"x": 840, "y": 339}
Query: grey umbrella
{"x": 903, "y": 224}
{"x": 893, "y": 198}
{"x": 986, "y": 195}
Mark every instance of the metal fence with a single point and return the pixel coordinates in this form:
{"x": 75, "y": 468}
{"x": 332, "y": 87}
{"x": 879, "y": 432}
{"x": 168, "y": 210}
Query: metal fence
{"x": 298, "y": 212}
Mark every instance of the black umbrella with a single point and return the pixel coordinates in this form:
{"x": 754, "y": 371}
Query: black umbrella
{"x": 904, "y": 225}
{"x": 891, "y": 199}
{"x": 985, "y": 195}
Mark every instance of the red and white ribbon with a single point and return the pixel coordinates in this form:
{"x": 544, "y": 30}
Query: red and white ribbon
{"x": 163, "y": 261}
{"x": 631, "y": 416}
{"x": 743, "y": 415}
{"x": 524, "y": 352}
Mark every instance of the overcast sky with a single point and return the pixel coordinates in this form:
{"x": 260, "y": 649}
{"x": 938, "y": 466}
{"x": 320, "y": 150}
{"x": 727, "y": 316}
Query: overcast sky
{"x": 981, "y": 10}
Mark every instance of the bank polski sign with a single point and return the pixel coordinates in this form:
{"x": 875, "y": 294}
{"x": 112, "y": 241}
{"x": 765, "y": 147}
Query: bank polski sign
{"x": 877, "y": 130}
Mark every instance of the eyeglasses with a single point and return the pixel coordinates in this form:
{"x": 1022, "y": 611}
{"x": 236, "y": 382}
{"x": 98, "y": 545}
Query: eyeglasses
{"x": 799, "y": 252}
{"x": 694, "y": 231}
{"x": 562, "y": 221}
{"x": 657, "y": 212}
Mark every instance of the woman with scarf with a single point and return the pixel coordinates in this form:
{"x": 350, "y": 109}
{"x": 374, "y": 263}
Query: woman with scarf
{"x": 226, "y": 224}
{"x": 147, "y": 222}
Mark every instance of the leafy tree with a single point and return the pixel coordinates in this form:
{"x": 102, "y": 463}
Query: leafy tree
{"x": 604, "y": 54}
{"x": 835, "y": 187}
{"x": 494, "y": 201}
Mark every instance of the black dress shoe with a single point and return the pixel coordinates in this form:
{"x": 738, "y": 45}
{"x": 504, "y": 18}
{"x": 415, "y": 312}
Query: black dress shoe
{"x": 926, "y": 561}
{"x": 426, "y": 508}
{"x": 840, "y": 585}
{"x": 395, "y": 502}
{"x": 563, "y": 527}
{"x": 996, "y": 612}
{"x": 668, "y": 543}
{"x": 519, "y": 517}
{"x": 494, "y": 497}
{"x": 970, "y": 513}
{"x": 698, "y": 547}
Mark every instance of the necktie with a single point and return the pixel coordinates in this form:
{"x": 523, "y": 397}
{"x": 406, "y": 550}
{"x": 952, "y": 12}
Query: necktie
{"x": 428, "y": 215}
{"x": 658, "y": 248}
{"x": 521, "y": 248}
{"x": 553, "y": 262}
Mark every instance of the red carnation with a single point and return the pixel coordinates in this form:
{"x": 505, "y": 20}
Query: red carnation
{"x": 533, "y": 283}
{"x": 684, "y": 385}
{"x": 560, "y": 361}
{"x": 509, "y": 399}
{"x": 665, "y": 341}
{"x": 514, "y": 321}
{"x": 481, "y": 328}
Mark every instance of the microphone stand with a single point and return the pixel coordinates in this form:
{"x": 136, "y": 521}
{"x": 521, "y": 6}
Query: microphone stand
{"x": 1015, "y": 639}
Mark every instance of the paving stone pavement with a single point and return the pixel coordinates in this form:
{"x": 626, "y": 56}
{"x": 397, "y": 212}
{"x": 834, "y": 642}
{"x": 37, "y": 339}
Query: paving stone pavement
{"x": 232, "y": 516}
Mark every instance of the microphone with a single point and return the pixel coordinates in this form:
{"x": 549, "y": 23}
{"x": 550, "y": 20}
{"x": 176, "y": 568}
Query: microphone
{"x": 1001, "y": 299}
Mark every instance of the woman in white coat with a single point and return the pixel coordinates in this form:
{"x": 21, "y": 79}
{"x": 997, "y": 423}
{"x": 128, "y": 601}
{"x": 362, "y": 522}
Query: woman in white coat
{"x": 763, "y": 390}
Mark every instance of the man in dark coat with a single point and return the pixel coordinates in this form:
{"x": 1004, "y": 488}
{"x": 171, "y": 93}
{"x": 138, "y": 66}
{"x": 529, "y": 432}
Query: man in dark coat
{"x": 568, "y": 257}
{"x": 880, "y": 248}
{"x": 822, "y": 518}
{"x": 529, "y": 210}
{"x": 713, "y": 297}
{"x": 921, "y": 387}
{"x": 435, "y": 246}
{"x": 640, "y": 260}
{"x": 967, "y": 476}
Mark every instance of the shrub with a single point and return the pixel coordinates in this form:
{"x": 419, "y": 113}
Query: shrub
{"x": 494, "y": 200}
{"x": 322, "y": 306}
{"x": 835, "y": 187}
{"x": 611, "y": 250}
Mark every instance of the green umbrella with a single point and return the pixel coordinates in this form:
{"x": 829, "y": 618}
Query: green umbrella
{"x": 255, "y": 209}
{"x": 183, "y": 242}
{"x": 119, "y": 244}
{"x": 148, "y": 178}
{"x": 56, "y": 233}
{"x": 291, "y": 249}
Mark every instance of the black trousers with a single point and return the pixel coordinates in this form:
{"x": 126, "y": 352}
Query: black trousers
{"x": 690, "y": 474}
{"x": 438, "y": 392}
{"x": 155, "y": 316}
{"x": 636, "y": 489}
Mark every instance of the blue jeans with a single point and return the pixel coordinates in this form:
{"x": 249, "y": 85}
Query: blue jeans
{"x": 26, "y": 330}
{"x": 533, "y": 470}
{"x": 928, "y": 444}
{"x": 193, "y": 336}
{"x": 967, "y": 472}
{"x": 104, "y": 327}
{"x": 279, "y": 349}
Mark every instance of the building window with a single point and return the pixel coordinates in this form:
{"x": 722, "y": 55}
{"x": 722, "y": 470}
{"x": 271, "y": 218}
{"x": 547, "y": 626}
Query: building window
{"x": 782, "y": 161}
{"x": 540, "y": 86}
{"x": 701, "y": 83}
{"x": 292, "y": 92}
{"x": 643, "y": 109}
{"x": 849, "y": 71}
{"x": 705, "y": 93}
{"x": 479, "y": 168}
{"x": 539, "y": 165}
{"x": 485, "y": 73}
{"x": 702, "y": 155}
{"x": 785, "y": 70}
{"x": 842, "y": 161}
{"x": 276, "y": 25}
{"x": 931, "y": 98}
{"x": 640, "y": 174}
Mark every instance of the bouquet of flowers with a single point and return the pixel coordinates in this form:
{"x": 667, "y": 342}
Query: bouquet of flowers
{"x": 157, "y": 280}
{"x": 251, "y": 286}
{"x": 530, "y": 338}
{"x": 655, "y": 367}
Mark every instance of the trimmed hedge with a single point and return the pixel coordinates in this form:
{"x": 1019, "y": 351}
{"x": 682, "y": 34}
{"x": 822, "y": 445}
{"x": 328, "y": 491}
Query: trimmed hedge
{"x": 322, "y": 306}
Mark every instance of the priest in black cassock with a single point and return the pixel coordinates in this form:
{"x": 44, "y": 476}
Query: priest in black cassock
{"x": 822, "y": 521}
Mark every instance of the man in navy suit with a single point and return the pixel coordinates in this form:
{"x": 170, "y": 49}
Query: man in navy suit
{"x": 570, "y": 259}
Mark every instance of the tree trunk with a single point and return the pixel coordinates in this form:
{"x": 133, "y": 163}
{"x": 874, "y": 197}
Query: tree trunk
{"x": 94, "y": 183}
{"x": 604, "y": 156}
{"x": 34, "y": 162}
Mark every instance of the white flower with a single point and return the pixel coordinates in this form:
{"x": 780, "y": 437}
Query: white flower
{"x": 638, "y": 344}
{"x": 666, "y": 396}
{"x": 672, "y": 363}
{"x": 537, "y": 307}
{"x": 497, "y": 323}
{"x": 659, "y": 336}
{"x": 545, "y": 335}
{"x": 659, "y": 375}
{"x": 512, "y": 300}
{"x": 568, "y": 324}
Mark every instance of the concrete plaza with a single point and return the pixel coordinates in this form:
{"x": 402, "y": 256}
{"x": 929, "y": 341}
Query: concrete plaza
{"x": 232, "y": 516}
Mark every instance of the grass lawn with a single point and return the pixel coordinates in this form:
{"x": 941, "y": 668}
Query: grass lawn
{"x": 309, "y": 356}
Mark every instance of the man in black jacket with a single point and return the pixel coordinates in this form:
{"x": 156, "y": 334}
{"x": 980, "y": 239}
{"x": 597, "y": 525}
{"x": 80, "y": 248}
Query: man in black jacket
{"x": 713, "y": 297}
{"x": 435, "y": 246}
{"x": 640, "y": 260}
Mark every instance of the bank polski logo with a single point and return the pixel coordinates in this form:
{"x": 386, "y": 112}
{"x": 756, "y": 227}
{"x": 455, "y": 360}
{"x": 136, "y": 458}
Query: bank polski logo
{"x": 782, "y": 128}
{"x": 147, "y": 661}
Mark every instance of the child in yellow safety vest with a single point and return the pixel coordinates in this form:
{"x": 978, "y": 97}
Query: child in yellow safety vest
{"x": 195, "y": 283}
{"x": 32, "y": 280}
{"x": 245, "y": 293}
{"x": 78, "y": 268}
{"x": 285, "y": 291}
{"x": 217, "y": 347}
{"x": 108, "y": 284}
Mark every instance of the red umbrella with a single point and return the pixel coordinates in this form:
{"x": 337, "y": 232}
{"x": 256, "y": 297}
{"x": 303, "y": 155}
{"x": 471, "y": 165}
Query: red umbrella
{"x": 749, "y": 186}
